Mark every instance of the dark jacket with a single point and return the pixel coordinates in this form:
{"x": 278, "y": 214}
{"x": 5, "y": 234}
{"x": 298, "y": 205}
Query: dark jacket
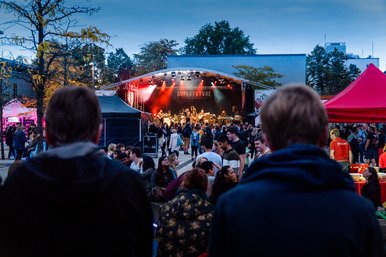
{"x": 372, "y": 192}
{"x": 295, "y": 202}
{"x": 74, "y": 201}
{"x": 184, "y": 225}
{"x": 20, "y": 140}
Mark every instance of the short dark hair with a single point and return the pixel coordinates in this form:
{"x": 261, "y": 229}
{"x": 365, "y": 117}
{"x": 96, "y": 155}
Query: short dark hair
{"x": 207, "y": 142}
{"x": 120, "y": 145}
{"x": 73, "y": 114}
{"x": 137, "y": 151}
{"x": 223, "y": 138}
{"x": 259, "y": 138}
{"x": 232, "y": 130}
{"x": 207, "y": 165}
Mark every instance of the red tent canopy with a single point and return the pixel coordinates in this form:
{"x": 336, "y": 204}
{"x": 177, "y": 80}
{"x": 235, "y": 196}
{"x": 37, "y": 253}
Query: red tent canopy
{"x": 364, "y": 100}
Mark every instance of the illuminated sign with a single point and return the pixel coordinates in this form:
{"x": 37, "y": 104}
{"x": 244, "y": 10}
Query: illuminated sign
{"x": 194, "y": 94}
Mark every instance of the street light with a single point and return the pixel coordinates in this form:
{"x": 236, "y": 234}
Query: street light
{"x": 92, "y": 64}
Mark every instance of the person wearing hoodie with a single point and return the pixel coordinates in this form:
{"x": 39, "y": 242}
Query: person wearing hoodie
{"x": 194, "y": 142}
{"x": 296, "y": 201}
{"x": 185, "y": 221}
{"x": 73, "y": 200}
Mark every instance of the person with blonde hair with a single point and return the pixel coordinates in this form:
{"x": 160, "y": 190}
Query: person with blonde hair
{"x": 111, "y": 151}
{"x": 340, "y": 150}
{"x": 296, "y": 201}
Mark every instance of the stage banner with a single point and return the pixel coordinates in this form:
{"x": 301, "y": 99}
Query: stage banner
{"x": 194, "y": 94}
{"x": 260, "y": 96}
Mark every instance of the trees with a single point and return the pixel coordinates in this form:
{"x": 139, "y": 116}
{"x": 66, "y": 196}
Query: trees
{"x": 153, "y": 55}
{"x": 120, "y": 66}
{"x": 46, "y": 23}
{"x": 327, "y": 72}
{"x": 219, "y": 38}
{"x": 262, "y": 77}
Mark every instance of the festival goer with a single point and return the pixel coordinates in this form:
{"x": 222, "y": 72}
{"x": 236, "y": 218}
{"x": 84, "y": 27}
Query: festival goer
{"x": 207, "y": 145}
{"x": 194, "y": 142}
{"x": 224, "y": 181}
{"x": 300, "y": 181}
{"x": 73, "y": 200}
{"x": 208, "y": 167}
{"x": 261, "y": 147}
{"x": 362, "y": 142}
{"x": 111, "y": 151}
{"x": 161, "y": 179}
{"x": 382, "y": 159}
{"x": 251, "y": 143}
{"x": 20, "y": 140}
{"x": 9, "y": 133}
{"x": 340, "y": 150}
{"x": 184, "y": 224}
{"x": 381, "y": 142}
{"x": 230, "y": 156}
{"x": 148, "y": 167}
{"x": 186, "y": 132}
{"x": 174, "y": 145}
{"x": 372, "y": 189}
{"x": 353, "y": 140}
{"x": 135, "y": 156}
{"x": 371, "y": 147}
{"x": 173, "y": 163}
{"x": 239, "y": 147}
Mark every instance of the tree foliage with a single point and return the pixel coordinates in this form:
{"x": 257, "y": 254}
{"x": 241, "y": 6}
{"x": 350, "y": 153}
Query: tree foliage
{"x": 219, "y": 38}
{"x": 120, "y": 66}
{"x": 262, "y": 77}
{"x": 327, "y": 72}
{"x": 153, "y": 55}
{"x": 47, "y": 24}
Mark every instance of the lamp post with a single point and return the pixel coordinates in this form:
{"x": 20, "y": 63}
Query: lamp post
{"x": 5, "y": 73}
{"x": 92, "y": 64}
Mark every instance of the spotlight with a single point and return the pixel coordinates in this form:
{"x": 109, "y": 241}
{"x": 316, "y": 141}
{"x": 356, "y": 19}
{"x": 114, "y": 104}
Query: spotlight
{"x": 165, "y": 74}
{"x": 189, "y": 77}
{"x": 173, "y": 74}
{"x": 182, "y": 77}
{"x": 197, "y": 74}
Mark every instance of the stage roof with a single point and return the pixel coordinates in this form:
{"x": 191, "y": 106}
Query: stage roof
{"x": 182, "y": 73}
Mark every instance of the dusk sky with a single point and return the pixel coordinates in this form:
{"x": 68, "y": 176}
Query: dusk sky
{"x": 275, "y": 26}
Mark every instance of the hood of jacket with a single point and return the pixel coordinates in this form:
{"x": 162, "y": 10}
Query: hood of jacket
{"x": 68, "y": 171}
{"x": 190, "y": 203}
{"x": 299, "y": 164}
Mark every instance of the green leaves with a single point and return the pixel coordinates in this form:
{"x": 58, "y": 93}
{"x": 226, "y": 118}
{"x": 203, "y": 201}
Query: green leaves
{"x": 261, "y": 76}
{"x": 153, "y": 55}
{"x": 219, "y": 38}
{"x": 327, "y": 72}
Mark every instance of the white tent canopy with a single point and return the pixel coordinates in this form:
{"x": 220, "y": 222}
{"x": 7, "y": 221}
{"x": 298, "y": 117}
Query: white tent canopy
{"x": 14, "y": 108}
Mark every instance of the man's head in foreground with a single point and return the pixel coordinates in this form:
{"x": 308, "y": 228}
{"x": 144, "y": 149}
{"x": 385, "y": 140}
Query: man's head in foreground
{"x": 73, "y": 115}
{"x": 294, "y": 114}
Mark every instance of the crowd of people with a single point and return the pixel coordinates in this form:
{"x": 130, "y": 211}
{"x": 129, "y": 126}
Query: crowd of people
{"x": 251, "y": 191}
